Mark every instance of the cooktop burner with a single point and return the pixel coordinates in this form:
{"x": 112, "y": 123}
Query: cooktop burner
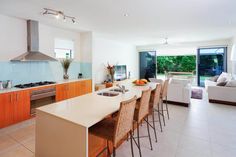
{"x": 28, "y": 85}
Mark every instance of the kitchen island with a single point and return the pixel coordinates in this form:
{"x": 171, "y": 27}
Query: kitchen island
{"x": 62, "y": 127}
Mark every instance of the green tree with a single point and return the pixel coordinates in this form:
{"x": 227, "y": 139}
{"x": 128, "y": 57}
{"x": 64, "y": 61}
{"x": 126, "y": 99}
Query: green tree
{"x": 176, "y": 63}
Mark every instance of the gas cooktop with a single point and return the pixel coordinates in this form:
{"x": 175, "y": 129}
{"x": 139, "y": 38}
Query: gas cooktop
{"x": 28, "y": 85}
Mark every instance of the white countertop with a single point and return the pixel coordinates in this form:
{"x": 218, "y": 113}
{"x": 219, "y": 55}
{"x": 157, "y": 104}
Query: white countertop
{"x": 89, "y": 109}
{"x": 14, "y": 89}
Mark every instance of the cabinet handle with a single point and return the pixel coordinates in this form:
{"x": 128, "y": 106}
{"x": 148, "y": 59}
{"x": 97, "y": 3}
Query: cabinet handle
{"x": 16, "y": 97}
{"x": 10, "y": 97}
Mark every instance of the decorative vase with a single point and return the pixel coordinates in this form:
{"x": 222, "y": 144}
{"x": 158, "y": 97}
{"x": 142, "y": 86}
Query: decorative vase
{"x": 112, "y": 78}
{"x": 66, "y": 76}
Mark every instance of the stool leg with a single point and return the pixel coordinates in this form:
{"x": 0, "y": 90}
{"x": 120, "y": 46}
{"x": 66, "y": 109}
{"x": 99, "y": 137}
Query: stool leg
{"x": 114, "y": 152}
{"x": 159, "y": 116}
{"x": 150, "y": 140}
{"x": 154, "y": 126}
{"x": 108, "y": 150}
{"x": 131, "y": 143}
{"x": 139, "y": 146}
{"x": 167, "y": 110}
{"x": 162, "y": 112}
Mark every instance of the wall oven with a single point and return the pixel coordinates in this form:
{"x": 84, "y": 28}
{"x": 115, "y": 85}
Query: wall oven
{"x": 41, "y": 97}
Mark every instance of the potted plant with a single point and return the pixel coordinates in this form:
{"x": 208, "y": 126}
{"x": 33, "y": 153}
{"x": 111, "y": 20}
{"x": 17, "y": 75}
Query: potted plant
{"x": 111, "y": 71}
{"x": 66, "y": 64}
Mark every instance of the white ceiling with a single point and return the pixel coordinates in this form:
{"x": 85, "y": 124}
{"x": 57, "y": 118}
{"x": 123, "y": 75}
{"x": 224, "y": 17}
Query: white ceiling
{"x": 149, "y": 21}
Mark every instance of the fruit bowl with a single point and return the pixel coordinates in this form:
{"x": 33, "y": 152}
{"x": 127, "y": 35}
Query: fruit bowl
{"x": 141, "y": 82}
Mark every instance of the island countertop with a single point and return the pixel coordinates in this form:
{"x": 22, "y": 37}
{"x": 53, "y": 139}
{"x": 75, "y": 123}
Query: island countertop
{"x": 89, "y": 109}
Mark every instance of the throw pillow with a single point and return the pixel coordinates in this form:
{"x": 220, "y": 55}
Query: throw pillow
{"x": 226, "y": 75}
{"x": 215, "y": 78}
{"x": 221, "y": 79}
{"x": 231, "y": 83}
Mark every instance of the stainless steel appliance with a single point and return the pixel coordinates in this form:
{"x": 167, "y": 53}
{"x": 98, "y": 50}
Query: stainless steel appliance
{"x": 33, "y": 53}
{"x": 28, "y": 85}
{"x": 1, "y": 85}
{"x": 9, "y": 84}
{"x": 41, "y": 97}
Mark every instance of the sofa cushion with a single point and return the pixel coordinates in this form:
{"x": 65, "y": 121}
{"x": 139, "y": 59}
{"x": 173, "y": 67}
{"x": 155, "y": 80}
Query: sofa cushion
{"x": 231, "y": 83}
{"x": 214, "y": 78}
{"x": 183, "y": 82}
{"x": 227, "y": 76}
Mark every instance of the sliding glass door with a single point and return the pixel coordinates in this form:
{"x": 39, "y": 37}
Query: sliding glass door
{"x": 211, "y": 62}
{"x": 147, "y": 64}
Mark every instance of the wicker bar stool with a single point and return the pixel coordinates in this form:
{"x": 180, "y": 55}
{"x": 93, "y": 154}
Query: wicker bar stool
{"x": 115, "y": 129}
{"x": 164, "y": 96}
{"x": 155, "y": 100}
{"x": 141, "y": 114}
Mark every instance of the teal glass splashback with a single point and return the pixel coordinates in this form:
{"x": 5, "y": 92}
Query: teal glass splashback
{"x": 25, "y": 72}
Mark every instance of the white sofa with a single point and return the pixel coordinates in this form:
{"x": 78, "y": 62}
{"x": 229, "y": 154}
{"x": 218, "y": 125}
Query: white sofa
{"x": 220, "y": 94}
{"x": 179, "y": 91}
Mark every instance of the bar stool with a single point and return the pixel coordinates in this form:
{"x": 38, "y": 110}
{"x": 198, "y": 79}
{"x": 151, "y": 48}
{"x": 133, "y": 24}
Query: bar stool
{"x": 164, "y": 96}
{"x": 115, "y": 129}
{"x": 155, "y": 100}
{"x": 141, "y": 114}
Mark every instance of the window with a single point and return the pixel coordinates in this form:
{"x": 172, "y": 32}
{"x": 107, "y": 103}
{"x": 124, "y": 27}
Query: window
{"x": 64, "y": 48}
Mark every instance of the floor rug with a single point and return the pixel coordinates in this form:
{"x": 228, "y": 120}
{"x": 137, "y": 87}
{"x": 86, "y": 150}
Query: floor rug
{"x": 196, "y": 93}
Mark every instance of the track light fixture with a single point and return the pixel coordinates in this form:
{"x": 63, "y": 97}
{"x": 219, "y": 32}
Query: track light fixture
{"x": 58, "y": 15}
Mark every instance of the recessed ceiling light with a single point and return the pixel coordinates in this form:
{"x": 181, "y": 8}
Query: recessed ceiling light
{"x": 126, "y": 15}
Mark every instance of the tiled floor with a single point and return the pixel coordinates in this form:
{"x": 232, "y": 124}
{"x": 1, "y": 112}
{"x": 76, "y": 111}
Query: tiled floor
{"x": 202, "y": 130}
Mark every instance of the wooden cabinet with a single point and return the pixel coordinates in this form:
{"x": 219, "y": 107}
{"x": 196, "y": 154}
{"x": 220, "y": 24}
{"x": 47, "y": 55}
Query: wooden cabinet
{"x": 73, "y": 89}
{"x": 61, "y": 92}
{"x": 21, "y": 106}
{"x": 14, "y": 107}
{"x": 96, "y": 145}
{"x": 6, "y": 109}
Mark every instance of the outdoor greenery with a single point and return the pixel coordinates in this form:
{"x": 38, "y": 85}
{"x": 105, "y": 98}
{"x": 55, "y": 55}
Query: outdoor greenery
{"x": 176, "y": 64}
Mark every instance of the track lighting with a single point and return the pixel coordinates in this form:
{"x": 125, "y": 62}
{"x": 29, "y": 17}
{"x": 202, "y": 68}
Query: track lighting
{"x": 58, "y": 15}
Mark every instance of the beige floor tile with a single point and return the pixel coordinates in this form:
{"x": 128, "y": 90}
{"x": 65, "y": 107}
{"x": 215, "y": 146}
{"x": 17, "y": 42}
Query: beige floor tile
{"x": 18, "y": 151}
{"x": 29, "y": 144}
{"x": 23, "y": 134}
{"x": 6, "y": 143}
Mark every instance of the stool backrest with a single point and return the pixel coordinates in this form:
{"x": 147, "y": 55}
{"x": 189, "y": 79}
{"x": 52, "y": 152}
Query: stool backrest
{"x": 155, "y": 96}
{"x": 124, "y": 123}
{"x": 143, "y": 110}
{"x": 165, "y": 88}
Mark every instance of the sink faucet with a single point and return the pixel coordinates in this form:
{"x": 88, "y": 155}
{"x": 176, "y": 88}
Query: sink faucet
{"x": 122, "y": 88}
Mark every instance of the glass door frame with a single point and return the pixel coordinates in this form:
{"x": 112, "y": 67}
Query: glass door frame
{"x": 198, "y": 59}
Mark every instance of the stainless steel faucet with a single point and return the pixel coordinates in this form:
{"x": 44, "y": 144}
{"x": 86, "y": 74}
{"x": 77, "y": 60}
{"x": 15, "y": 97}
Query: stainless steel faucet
{"x": 122, "y": 88}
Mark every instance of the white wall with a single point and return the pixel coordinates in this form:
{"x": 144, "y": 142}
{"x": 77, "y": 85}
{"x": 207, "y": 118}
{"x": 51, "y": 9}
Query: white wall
{"x": 12, "y": 37}
{"x": 86, "y": 47}
{"x": 114, "y": 52}
{"x": 48, "y": 34}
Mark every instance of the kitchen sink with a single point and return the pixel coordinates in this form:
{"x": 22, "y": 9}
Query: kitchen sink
{"x": 118, "y": 90}
{"x": 110, "y": 94}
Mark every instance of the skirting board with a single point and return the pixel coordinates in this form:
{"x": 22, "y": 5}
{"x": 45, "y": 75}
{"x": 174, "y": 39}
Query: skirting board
{"x": 222, "y": 102}
{"x": 177, "y": 103}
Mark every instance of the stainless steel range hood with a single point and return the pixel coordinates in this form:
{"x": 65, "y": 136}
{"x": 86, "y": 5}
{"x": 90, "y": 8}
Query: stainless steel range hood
{"x": 33, "y": 53}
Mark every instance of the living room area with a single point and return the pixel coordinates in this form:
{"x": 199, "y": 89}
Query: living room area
{"x": 195, "y": 70}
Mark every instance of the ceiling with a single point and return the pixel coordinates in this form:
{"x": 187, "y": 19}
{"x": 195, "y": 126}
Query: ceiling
{"x": 149, "y": 21}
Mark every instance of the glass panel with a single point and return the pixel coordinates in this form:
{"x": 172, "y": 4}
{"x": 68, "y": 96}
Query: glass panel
{"x": 211, "y": 62}
{"x": 64, "y": 48}
{"x": 147, "y": 64}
